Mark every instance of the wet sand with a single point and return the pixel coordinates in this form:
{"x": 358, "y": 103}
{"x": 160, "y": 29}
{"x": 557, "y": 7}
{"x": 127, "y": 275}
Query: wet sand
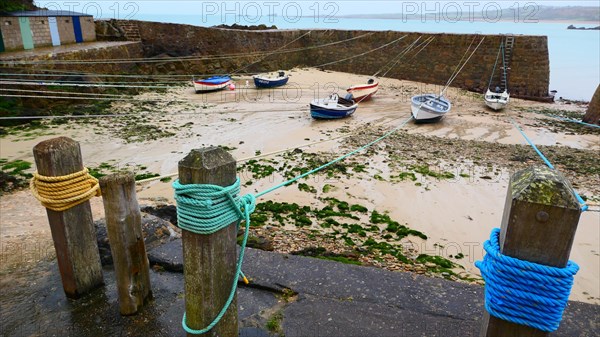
{"x": 456, "y": 215}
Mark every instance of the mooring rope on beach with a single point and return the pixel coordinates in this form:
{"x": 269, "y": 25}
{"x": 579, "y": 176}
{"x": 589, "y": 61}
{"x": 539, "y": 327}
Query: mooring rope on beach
{"x": 235, "y": 72}
{"x": 565, "y": 119}
{"x": 93, "y": 94}
{"x": 63, "y": 192}
{"x": 206, "y": 209}
{"x": 583, "y": 205}
{"x": 167, "y": 84}
{"x": 457, "y": 72}
{"x": 61, "y": 73}
{"x": 361, "y": 54}
{"x": 500, "y": 49}
{"x": 86, "y": 98}
{"x": 390, "y": 65}
{"x": 85, "y": 85}
{"x": 221, "y": 112}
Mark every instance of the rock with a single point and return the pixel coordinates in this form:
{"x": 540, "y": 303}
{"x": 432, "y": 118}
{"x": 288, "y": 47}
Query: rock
{"x": 10, "y": 182}
{"x": 156, "y": 232}
{"x": 430, "y": 265}
{"x": 246, "y": 27}
{"x": 592, "y": 115}
{"x": 169, "y": 256}
{"x": 165, "y": 212}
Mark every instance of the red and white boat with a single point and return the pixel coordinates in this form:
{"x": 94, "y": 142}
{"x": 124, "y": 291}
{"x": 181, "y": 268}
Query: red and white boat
{"x": 364, "y": 92}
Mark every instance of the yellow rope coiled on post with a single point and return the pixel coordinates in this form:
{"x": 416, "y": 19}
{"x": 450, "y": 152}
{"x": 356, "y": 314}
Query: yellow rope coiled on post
{"x": 63, "y": 192}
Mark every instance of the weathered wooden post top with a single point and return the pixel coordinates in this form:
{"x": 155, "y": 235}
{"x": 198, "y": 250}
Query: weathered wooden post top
{"x": 538, "y": 225}
{"x": 72, "y": 229}
{"x": 209, "y": 260}
{"x": 124, "y": 227}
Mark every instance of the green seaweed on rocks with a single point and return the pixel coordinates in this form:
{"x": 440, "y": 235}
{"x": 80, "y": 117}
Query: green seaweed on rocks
{"x": 306, "y": 188}
{"x": 257, "y": 169}
{"x": 394, "y": 226}
{"x": 322, "y": 253}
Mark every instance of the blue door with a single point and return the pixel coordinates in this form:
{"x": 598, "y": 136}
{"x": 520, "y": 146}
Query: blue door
{"x": 1, "y": 42}
{"x": 77, "y": 28}
{"x": 54, "y": 31}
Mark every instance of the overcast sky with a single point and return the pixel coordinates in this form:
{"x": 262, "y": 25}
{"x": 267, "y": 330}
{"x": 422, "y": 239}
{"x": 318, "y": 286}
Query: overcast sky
{"x": 341, "y": 7}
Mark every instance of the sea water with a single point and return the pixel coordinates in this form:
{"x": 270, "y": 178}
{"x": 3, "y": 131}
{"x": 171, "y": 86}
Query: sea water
{"x": 574, "y": 54}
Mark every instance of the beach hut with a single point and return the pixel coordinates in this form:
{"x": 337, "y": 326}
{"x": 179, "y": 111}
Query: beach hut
{"x": 39, "y": 28}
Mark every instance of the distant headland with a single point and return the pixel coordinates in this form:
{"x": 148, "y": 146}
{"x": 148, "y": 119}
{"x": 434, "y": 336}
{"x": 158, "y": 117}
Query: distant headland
{"x": 583, "y": 28}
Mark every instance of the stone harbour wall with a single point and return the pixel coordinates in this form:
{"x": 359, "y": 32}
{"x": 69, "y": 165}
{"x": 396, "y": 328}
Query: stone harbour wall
{"x": 529, "y": 75}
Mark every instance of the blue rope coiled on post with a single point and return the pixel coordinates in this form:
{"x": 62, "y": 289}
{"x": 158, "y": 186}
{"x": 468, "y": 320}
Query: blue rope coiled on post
{"x": 206, "y": 209}
{"x": 524, "y": 292}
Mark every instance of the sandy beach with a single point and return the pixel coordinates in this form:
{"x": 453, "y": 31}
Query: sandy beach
{"x": 481, "y": 149}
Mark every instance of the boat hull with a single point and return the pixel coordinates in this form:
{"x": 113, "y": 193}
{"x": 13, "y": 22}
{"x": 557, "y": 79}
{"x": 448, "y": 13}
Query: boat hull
{"x": 211, "y": 84}
{"x": 318, "y": 112}
{"x": 332, "y": 109}
{"x": 496, "y": 101}
{"x": 363, "y": 92}
{"x": 262, "y": 82}
{"x": 429, "y": 108}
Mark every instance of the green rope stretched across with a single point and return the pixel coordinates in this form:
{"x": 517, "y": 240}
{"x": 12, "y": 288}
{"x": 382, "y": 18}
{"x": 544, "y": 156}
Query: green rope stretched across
{"x": 206, "y": 209}
{"x": 340, "y": 158}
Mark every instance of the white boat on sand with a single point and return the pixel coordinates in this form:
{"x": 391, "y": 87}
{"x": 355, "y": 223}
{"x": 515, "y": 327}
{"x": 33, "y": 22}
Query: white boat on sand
{"x": 429, "y": 108}
{"x": 496, "y": 101}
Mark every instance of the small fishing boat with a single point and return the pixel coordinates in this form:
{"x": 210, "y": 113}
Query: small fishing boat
{"x": 429, "y": 108}
{"x": 270, "y": 80}
{"x": 496, "y": 101}
{"x": 333, "y": 107}
{"x": 364, "y": 92}
{"x": 211, "y": 84}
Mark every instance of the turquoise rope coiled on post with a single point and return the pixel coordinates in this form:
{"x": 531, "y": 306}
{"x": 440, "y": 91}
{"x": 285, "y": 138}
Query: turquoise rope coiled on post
{"x": 206, "y": 209}
{"x": 524, "y": 292}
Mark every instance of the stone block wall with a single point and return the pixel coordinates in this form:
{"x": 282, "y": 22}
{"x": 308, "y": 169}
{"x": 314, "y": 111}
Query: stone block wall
{"x": 65, "y": 29}
{"x": 11, "y": 33}
{"x": 88, "y": 28}
{"x": 40, "y": 30}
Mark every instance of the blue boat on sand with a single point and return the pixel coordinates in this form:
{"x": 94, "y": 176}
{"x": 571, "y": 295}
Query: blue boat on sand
{"x": 270, "y": 80}
{"x": 211, "y": 84}
{"x": 333, "y": 107}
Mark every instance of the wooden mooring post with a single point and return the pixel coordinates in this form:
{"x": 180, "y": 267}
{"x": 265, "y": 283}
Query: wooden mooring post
{"x": 72, "y": 230}
{"x": 209, "y": 260}
{"x": 124, "y": 227}
{"x": 539, "y": 222}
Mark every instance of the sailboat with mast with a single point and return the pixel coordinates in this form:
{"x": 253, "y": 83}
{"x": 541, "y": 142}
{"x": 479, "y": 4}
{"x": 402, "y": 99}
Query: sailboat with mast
{"x": 499, "y": 97}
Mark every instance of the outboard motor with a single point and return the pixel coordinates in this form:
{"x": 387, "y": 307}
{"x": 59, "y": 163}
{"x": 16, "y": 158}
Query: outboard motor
{"x": 370, "y": 81}
{"x": 281, "y": 74}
